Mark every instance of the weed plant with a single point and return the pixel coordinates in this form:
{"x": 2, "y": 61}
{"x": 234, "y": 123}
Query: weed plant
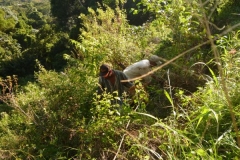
{"x": 59, "y": 116}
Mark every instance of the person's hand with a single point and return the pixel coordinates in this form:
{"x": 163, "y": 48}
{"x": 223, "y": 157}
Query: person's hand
{"x": 131, "y": 90}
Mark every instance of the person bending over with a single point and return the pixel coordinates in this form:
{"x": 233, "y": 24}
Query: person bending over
{"x": 142, "y": 68}
{"x": 110, "y": 80}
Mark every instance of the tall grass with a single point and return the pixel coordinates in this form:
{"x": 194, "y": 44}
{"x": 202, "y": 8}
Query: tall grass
{"x": 60, "y": 117}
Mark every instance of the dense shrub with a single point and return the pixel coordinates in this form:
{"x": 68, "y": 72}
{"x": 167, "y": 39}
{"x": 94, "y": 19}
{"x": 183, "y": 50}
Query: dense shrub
{"x": 60, "y": 116}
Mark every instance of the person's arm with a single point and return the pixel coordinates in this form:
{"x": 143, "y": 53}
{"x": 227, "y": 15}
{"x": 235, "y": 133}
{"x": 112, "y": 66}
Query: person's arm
{"x": 129, "y": 85}
{"x": 147, "y": 78}
{"x": 100, "y": 86}
{"x": 131, "y": 90}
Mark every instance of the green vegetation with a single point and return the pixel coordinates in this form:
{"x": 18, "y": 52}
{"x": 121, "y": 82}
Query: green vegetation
{"x": 50, "y": 52}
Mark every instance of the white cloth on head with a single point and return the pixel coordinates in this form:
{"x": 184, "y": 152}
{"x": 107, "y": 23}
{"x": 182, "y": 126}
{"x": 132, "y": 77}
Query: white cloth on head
{"x": 138, "y": 69}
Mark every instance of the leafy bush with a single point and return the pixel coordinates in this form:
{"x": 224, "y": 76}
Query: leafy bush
{"x": 107, "y": 37}
{"x": 7, "y": 18}
{"x": 208, "y": 112}
{"x": 60, "y": 117}
{"x": 53, "y": 109}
